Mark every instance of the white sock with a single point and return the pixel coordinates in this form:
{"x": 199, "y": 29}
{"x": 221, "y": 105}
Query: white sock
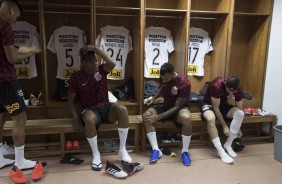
{"x": 223, "y": 155}
{"x": 1, "y": 156}
{"x": 153, "y": 140}
{"x": 122, "y": 132}
{"x": 95, "y": 152}
{"x": 185, "y": 142}
{"x": 20, "y": 161}
{"x": 228, "y": 144}
{"x": 1, "y": 144}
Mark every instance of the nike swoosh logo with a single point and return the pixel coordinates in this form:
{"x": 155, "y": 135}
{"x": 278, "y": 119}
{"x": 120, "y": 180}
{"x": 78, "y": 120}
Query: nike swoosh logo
{"x": 84, "y": 84}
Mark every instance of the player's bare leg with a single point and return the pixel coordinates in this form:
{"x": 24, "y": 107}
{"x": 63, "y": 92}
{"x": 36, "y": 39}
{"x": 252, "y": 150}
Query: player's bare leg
{"x": 209, "y": 116}
{"x": 237, "y": 117}
{"x": 119, "y": 113}
{"x": 90, "y": 120}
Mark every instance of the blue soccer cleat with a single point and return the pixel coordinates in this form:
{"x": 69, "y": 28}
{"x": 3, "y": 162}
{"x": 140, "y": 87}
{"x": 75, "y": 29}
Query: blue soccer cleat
{"x": 186, "y": 160}
{"x": 155, "y": 156}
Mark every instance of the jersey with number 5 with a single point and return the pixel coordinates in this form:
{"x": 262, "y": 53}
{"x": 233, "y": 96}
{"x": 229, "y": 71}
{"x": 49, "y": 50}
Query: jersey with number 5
{"x": 158, "y": 44}
{"x": 117, "y": 42}
{"x": 199, "y": 45}
{"x": 25, "y": 34}
{"x": 66, "y": 42}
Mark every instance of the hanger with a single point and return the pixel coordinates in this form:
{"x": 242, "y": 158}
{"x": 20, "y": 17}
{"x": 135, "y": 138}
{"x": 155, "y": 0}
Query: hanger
{"x": 115, "y": 23}
{"x": 195, "y": 24}
{"x": 68, "y": 20}
{"x": 157, "y": 22}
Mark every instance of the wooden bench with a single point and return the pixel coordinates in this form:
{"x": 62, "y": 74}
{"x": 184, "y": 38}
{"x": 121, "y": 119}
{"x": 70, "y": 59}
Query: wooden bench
{"x": 197, "y": 121}
{"x": 64, "y": 126}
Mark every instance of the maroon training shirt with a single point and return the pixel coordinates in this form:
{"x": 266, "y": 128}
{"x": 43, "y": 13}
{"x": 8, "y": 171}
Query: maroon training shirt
{"x": 179, "y": 87}
{"x": 7, "y": 70}
{"x": 92, "y": 89}
{"x": 217, "y": 89}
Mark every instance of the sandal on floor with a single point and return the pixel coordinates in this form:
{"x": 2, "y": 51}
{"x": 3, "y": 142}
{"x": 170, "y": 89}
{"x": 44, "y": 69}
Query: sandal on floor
{"x": 70, "y": 159}
{"x": 97, "y": 167}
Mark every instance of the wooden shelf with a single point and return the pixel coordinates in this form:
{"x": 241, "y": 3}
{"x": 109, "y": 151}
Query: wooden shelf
{"x": 250, "y": 14}
{"x": 67, "y": 7}
{"x": 117, "y": 10}
{"x": 209, "y": 14}
{"x": 165, "y": 12}
{"x": 35, "y": 107}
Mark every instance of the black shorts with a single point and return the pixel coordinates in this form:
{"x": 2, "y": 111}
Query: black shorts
{"x": 102, "y": 113}
{"x": 224, "y": 109}
{"x": 12, "y": 98}
{"x": 163, "y": 108}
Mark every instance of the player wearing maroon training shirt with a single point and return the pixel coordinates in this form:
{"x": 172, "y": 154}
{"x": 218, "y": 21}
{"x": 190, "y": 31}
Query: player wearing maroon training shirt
{"x": 216, "y": 105}
{"x": 91, "y": 85}
{"x": 175, "y": 90}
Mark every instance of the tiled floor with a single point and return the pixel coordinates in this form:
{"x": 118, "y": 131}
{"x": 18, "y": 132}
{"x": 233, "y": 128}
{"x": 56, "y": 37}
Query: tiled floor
{"x": 255, "y": 165}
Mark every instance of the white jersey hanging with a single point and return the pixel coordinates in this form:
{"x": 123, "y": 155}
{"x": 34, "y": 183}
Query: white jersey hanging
{"x": 25, "y": 34}
{"x": 158, "y": 44}
{"x": 66, "y": 41}
{"x": 199, "y": 45}
{"x": 116, "y": 41}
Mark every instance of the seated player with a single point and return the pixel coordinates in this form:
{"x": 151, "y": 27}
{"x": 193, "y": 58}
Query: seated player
{"x": 175, "y": 90}
{"x": 91, "y": 84}
{"x": 216, "y": 106}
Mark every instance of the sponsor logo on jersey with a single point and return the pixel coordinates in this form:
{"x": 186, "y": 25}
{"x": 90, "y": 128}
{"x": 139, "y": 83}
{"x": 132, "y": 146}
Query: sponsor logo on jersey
{"x": 69, "y": 72}
{"x": 154, "y": 72}
{"x": 97, "y": 76}
{"x": 192, "y": 69}
{"x": 174, "y": 90}
{"x": 115, "y": 74}
{"x": 22, "y": 72}
{"x": 13, "y": 107}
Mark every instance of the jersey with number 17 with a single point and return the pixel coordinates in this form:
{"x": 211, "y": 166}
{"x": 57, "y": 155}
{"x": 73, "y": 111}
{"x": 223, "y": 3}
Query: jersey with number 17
{"x": 66, "y": 42}
{"x": 158, "y": 44}
{"x": 117, "y": 42}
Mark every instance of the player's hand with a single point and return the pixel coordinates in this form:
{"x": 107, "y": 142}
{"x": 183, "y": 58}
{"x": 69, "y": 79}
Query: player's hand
{"x": 77, "y": 125}
{"x": 152, "y": 119}
{"x": 36, "y": 50}
{"x": 149, "y": 101}
{"x": 240, "y": 134}
{"x": 25, "y": 50}
{"x": 226, "y": 130}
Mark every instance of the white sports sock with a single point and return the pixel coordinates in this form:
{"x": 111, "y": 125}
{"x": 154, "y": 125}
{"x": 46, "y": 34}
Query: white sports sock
{"x": 1, "y": 156}
{"x": 122, "y": 132}
{"x": 223, "y": 155}
{"x": 95, "y": 151}
{"x": 153, "y": 140}
{"x": 20, "y": 161}
{"x": 228, "y": 144}
{"x": 1, "y": 144}
{"x": 185, "y": 143}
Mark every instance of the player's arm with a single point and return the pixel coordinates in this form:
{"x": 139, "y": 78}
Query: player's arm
{"x": 13, "y": 55}
{"x": 158, "y": 94}
{"x": 109, "y": 62}
{"x": 180, "y": 102}
{"x": 215, "y": 105}
{"x": 239, "y": 104}
{"x": 71, "y": 104}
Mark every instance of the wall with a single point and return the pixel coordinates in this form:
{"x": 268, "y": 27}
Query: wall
{"x": 273, "y": 84}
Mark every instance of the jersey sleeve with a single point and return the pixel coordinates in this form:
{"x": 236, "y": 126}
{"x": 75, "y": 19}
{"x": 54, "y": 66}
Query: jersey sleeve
{"x": 102, "y": 71}
{"x": 215, "y": 91}
{"x": 100, "y": 42}
{"x": 7, "y": 35}
{"x": 239, "y": 95}
{"x": 184, "y": 89}
{"x": 130, "y": 43}
{"x": 51, "y": 44}
{"x": 35, "y": 40}
{"x": 84, "y": 38}
{"x": 209, "y": 46}
{"x": 170, "y": 46}
{"x": 73, "y": 84}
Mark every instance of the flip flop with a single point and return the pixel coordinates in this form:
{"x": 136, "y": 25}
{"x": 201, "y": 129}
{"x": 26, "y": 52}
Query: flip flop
{"x": 70, "y": 159}
{"x": 96, "y": 167}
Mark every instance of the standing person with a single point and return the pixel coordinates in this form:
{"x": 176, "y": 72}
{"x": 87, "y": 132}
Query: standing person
{"x": 175, "y": 90}
{"x": 216, "y": 106}
{"x": 11, "y": 98}
{"x": 90, "y": 82}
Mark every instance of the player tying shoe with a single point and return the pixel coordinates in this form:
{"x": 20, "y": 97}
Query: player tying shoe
{"x": 216, "y": 105}
{"x": 11, "y": 98}
{"x": 91, "y": 84}
{"x": 175, "y": 90}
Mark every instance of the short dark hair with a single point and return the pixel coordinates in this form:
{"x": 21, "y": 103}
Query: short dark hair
{"x": 166, "y": 68}
{"x": 16, "y": 3}
{"x": 233, "y": 82}
{"x": 86, "y": 54}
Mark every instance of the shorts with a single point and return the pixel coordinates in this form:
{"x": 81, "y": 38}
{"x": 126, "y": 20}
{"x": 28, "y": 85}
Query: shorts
{"x": 163, "y": 108}
{"x": 12, "y": 98}
{"x": 102, "y": 113}
{"x": 224, "y": 109}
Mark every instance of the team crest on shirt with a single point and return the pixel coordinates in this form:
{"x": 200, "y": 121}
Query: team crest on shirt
{"x": 174, "y": 90}
{"x": 97, "y": 76}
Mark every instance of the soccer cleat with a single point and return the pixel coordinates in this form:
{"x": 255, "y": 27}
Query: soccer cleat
{"x": 237, "y": 145}
{"x": 186, "y": 160}
{"x": 115, "y": 171}
{"x": 75, "y": 145}
{"x": 37, "y": 172}
{"x": 247, "y": 111}
{"x": 69, "y": 145}
{"x": 7, "y": 150}
{"x": 17, "y": 175}
{"x": 155, "y": 156}
{"x": 5, "y": 163}
{"x": 131, "y": 168}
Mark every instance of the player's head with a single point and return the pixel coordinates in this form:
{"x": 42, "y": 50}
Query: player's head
{"x": 232, "y": 84}
{"x": 10, "y": 10}
{"x": 88, "y": 59}
{"x": 166, "y": 72}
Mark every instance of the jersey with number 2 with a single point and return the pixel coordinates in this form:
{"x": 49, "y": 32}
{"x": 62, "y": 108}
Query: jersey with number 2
{"x": 158, "y": 44}
{"x": 66, "y": 42}
{"x": 117, "y": 42}
{"x": 199, "y": 45}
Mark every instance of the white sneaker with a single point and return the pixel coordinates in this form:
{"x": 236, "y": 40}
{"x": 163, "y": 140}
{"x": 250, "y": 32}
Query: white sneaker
{"x": 115, "y": 171}
{"x": 6, "y": 162}
{"x": 6, "y": 149}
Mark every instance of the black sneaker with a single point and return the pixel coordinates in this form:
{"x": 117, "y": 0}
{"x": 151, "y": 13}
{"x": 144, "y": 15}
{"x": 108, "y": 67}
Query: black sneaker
{"x": 237, "y": 145}
{"x": 131, "y": 168}
{"x": 115, "y": 171}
